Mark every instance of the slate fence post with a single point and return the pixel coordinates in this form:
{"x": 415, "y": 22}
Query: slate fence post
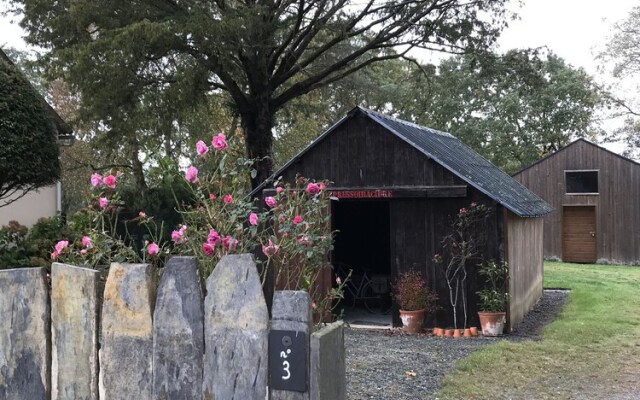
{"x": 173, "y": 346}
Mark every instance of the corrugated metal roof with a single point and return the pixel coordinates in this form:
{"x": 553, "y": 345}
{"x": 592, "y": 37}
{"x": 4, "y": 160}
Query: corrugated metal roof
{"x": 464, "y": 162}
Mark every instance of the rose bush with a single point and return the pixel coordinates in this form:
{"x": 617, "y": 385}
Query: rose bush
{"x": 291, "y": 228}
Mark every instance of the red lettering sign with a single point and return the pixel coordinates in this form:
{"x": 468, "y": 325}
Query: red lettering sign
{"x": 363, "y": 194}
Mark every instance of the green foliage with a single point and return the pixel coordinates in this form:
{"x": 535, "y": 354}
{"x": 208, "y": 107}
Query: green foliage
{"x": 142, "y": 68}
{"x": 493, "y": 296}
{"x": 28, "y": 149}
{"x": 13, "y": 246}
{"x": 22, "y": 247}
{"x": 512, "y": 108}
{"x": 622, "y": 51}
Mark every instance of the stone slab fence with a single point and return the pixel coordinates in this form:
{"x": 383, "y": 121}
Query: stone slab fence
{"x": 140, "y": 342}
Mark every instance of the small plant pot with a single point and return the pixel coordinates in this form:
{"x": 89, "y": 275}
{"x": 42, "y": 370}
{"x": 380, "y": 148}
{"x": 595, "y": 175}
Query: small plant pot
{"x": 438, "y": 331}
{"x": 456, "y": 333}
{"x": 412, "y": 320}
{"x": 467, "y": 332}
{"x": 448, "y": 332}
{"x": 474, "y": 331}
{"x": 492, "y": 323}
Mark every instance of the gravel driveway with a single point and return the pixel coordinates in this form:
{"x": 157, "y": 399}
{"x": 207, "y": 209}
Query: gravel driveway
{"x": 391, "y": 365}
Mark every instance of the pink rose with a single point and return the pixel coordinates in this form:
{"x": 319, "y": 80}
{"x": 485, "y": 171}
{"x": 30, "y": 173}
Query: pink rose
{"x": 201, "y": 148}
{"x": 253, "y": 219}
{"x": 314, "y": 305}
{"x": 54, "y": 255}
{"x": 212, "y": 196}
{"x": 270, "y": 201}
{"x": 463, "y": 210}
{"x": 61, "y": 245}
{"x": 229, "y": 243}
{"x": 109, "y": 181}
{"x": 227, "y": 199}
{"x": 270, "y": 249}
{"x": 279, "y": 189}
{"x": 86, "y": 242}
{"x": 219, "y": 142}
{"x": 322, "y": 186}
{"x": 208, "y": 249}
{"x": 213, "y": 238}
{"x": 304, "y": 240}
{"x": 338, "y": 280}
{"x": 312, "y": 188}
{"x": 297, "y": 219}
{"x": 153, "y": 249}
{"x": 178, "y": 235}
{"x": 96, "y": 180}
{"x": 142, "y": 214}
{"x": 191, "y": 175}
{"x": 83, "y": 252}
{"x": 103, "y": 202}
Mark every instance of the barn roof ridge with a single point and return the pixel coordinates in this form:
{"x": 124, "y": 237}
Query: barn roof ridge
{"x": 490, "y": 180}
{"x": 570, "y": 145}
{"x": 451, "y": 153}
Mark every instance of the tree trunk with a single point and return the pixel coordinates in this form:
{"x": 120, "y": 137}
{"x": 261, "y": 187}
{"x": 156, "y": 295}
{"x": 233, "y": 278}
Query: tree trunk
{"x": 257, "y": 123}
{"x": 136, "y": 166}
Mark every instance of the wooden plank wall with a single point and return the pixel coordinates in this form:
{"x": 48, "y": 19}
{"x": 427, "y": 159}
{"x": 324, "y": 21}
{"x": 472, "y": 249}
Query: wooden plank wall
{"x": 417, "y": 228}
{"x": 524, "y": 238}
{"x": 617, "y": 204}
{"x": 364, "y": 154}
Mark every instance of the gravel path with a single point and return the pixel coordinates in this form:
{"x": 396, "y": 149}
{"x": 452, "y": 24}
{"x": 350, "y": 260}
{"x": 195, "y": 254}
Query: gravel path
{"x": 392, "y": 365}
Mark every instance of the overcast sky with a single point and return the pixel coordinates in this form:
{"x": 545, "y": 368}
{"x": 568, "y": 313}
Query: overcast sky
{"x": 573, "y": 29}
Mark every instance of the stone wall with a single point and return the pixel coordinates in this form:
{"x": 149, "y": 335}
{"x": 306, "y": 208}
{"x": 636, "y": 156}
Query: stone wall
{"x": 169, "y": 342}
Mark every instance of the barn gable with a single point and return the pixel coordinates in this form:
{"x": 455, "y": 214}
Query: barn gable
{"x": 368, "y": 153}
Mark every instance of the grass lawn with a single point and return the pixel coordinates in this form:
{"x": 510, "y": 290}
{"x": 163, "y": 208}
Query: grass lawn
{"x": 591, "y": 351}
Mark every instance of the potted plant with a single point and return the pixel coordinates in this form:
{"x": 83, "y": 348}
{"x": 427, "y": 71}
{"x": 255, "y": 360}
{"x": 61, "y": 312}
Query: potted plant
{"x": 414, "y": 299}
{"x": 493, "y": 298}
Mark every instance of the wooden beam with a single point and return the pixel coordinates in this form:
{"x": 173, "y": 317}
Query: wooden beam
{"x": 392, "y": 192}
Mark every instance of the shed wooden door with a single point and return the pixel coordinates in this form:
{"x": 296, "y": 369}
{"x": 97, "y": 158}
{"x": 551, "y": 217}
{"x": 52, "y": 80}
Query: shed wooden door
{"x": 579, "y": 234}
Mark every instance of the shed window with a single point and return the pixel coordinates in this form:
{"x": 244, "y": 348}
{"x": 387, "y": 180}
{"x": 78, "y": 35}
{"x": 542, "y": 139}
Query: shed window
{"x": 581, "y": 181}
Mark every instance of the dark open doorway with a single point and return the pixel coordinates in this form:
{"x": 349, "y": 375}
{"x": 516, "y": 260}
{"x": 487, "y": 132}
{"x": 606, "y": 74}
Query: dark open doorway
{"x": 362, "y": 246}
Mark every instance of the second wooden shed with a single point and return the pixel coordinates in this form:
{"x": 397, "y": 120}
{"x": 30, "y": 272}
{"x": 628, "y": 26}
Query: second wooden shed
{"x": 596, "y": 197}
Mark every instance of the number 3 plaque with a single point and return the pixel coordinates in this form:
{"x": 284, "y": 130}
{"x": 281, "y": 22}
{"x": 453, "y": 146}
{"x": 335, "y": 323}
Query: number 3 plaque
{"x": 288, "y": 360}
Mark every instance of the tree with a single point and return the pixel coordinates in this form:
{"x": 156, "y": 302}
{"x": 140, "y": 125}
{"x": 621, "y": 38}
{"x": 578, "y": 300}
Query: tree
{"x": 262, "y": 54}
{"x": 512, "y": 108}
{"x": 28, "y": 136}
{"x": 623, "y": 50}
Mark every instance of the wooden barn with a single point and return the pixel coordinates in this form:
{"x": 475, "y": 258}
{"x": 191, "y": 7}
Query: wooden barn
{"x": 596, "y": 197}
{"x": 399, "y": 186}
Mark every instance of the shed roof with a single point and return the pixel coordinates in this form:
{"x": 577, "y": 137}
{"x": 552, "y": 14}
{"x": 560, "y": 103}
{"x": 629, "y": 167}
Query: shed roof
{"x": 455, "y": 156}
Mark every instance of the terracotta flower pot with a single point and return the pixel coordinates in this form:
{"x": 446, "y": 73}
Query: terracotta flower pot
{"x": 448, "y": 332}
{"x": 474, "y": 331}
{"x": 412, "y": 320}
{"x": 492, "y": 323}
{"x": 467, "y": 332}
{"x": 456, "y": 333}
{"x": 438, "y": 331}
